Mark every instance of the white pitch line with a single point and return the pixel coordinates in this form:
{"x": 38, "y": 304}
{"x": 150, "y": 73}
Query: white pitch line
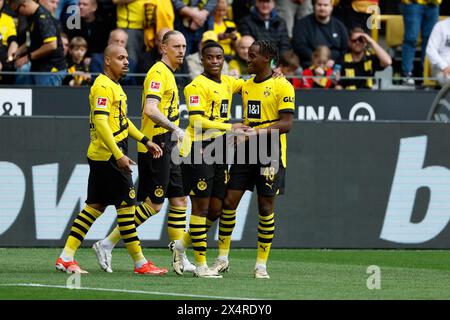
{"x": 38, "y": 285}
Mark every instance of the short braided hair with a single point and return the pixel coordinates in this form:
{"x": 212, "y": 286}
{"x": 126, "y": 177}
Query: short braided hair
{"x": 267, "y": 48}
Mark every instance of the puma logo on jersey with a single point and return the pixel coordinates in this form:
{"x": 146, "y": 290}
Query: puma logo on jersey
{"x": 270, "y": 185}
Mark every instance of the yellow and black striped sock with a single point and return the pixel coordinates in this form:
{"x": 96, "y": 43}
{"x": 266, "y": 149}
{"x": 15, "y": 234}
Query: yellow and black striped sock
{"x": 187, "y": 239}
{"x": 197, "y": 231}
{"x": 80, "y": 228}
{"x": 226, "y": 225}
{"x": 125, "y": 221}
{"x": 266, "y": 228}
{"x": 142, "y": 213}
{"x": 176, "y": 222}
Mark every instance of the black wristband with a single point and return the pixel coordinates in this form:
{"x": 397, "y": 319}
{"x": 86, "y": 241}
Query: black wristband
{"x": 144, "y": 140}
{"x": 29, "y": 54}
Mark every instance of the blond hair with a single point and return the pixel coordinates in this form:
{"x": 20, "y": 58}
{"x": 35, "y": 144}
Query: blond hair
{"x": 77, "y": 42}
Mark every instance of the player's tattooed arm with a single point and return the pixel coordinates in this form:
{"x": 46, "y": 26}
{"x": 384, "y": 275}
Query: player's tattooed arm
{"x": 151, "y": 110}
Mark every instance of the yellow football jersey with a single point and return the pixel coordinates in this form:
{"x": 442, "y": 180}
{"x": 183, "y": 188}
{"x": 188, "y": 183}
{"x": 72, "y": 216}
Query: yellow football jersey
{"x": 212, "y": 100}
{"x": 7, "y": 28}
{"x": 107, "y": 98}
{"x": 227, "y": 44}
{"x": 424, "y": 2}
{"x": 131, "y": 15}
{"x": 159, "y": 84}
{"x": 159, "y": 14}
{"x": 263, "y": 101}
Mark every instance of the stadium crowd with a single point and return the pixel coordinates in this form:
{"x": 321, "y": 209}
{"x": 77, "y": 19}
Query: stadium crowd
{"x": 322, "y": 43}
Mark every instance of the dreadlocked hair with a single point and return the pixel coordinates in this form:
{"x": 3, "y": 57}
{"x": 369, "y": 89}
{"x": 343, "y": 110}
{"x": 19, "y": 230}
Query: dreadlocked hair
{"x": 268, "y": 48}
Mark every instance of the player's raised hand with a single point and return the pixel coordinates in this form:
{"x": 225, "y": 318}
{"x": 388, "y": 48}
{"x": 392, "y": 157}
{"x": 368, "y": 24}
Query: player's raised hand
{"x": 154, "y": 149}
{"x": 277, "y": 73}
{"x": 125, "y": 164}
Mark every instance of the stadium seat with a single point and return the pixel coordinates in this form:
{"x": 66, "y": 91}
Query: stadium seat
{"x": 427, "y": 74}
{"x": 394, "y": 31}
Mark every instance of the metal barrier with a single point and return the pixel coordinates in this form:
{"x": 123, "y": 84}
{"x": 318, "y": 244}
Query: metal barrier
{"x": 380, "y": 81}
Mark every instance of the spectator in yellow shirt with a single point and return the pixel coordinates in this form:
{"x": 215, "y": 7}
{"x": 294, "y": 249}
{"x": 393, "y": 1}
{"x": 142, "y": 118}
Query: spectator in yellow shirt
{"x": 131, "y": 18}
{"x": 159, "y": 15}
{"x": 142, "y": 19}
{"x": 8, "y": 44}
{"x": 225, "y": 29}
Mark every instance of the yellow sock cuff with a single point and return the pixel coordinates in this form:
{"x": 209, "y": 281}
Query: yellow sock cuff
{"x": 149, "y": 208}
{"x": 125, "y": 210}
{"x": 92, "y": 211}
{"x": 228, "y": 212}
{"x": 178, "y": 209}
{"x": 267, "y": 218}
{"x": 142, "y": 213}
{"x": 197, "y": 220}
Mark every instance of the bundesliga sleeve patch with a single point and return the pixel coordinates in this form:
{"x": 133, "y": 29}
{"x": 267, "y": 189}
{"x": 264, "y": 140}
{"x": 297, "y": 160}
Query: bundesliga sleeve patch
{"x": 155, "y": 86}
{"x": 102, "y": 102}
{"x": 194, "y": 101}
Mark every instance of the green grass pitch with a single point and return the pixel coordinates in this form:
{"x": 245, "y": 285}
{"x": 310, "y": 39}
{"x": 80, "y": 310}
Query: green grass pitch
{"x": 295, "y": 274}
